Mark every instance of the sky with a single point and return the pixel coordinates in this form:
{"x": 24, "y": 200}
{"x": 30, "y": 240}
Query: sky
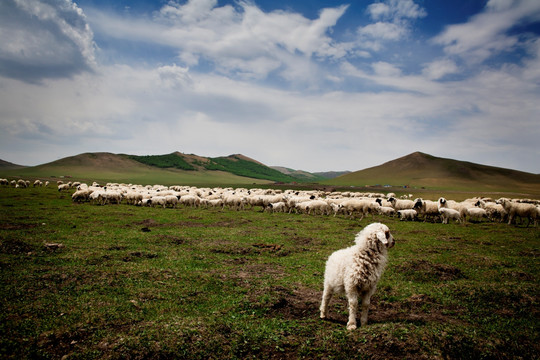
{"x": 313, "y": 85}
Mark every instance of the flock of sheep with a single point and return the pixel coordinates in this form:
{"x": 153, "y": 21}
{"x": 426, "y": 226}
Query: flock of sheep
{"x": 351, "y": 204}
{"x": 354, "y": 271}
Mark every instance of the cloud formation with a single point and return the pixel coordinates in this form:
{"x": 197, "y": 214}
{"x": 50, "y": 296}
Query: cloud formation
{"x": 44, "y": 39}
{"x": 275, "y": 85}
{"x": 487, "y": 34}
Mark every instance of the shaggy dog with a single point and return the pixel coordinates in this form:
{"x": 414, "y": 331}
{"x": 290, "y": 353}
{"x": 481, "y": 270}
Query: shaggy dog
{"x": 356, "y": 270}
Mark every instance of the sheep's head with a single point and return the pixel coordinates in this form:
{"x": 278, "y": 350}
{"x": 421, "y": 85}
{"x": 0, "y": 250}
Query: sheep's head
{"x": 442, "y": 201}
{"x": 418, "y": 203}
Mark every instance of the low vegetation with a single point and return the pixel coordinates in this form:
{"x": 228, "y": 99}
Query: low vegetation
{"x": 164, "y": 161}
{"x": 241, "y": 167}
{"x": 118, "y": 281}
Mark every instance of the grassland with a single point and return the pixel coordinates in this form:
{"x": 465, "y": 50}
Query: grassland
{"x": 136, "y": 283}
{"x": 107, "y": 167}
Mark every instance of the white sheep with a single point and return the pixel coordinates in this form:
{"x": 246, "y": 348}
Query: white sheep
{"x": 386, "y": 210}
{"x": 476, "y": 213}
{"x": 234, "y": 201}
{"x": 494, "y": 211}
{"x": 407, "y": 214}
{"x": 317, "y": 206}
{"x": 426, "y": 208}
{"x": 447, "y": 213}
{"x": 157, "y": 201}
{"x": 399, "y": 204}
{"x": 523, "y": 210}
{"x": 279, "y": 206}
{"x": 81, "y": 195}
{"x": 63, "y": 187}
{"x": 360, "y": 206}
{"x": 356, "y": 270}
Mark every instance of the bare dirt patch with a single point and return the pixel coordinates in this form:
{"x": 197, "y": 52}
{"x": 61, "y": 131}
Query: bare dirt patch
{"x": 225, "y": 247}
{"x": 425, "y": 271}
{"x": 17, "y": 226}
{"x": 15, "y": 246}
{"x": 150, "y": 223}
{"x": 297, "y": 303}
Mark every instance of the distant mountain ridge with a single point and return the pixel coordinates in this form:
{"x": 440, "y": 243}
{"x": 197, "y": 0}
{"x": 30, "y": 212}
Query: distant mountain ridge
{"x": 416, "y": 170}
{"x": 423, "y": 170}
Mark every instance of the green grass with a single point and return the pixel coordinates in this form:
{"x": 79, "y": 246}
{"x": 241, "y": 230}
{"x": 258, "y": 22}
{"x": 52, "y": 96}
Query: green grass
{"x": 211, "y": 284}
{"x": 164, "y": 161}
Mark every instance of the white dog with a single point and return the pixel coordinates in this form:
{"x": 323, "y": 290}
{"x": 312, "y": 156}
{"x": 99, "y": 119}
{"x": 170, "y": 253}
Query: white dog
{"x": 356, "y": 270}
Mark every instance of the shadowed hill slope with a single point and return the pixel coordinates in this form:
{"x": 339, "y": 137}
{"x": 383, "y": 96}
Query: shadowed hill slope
{"x": 423, "y": 170}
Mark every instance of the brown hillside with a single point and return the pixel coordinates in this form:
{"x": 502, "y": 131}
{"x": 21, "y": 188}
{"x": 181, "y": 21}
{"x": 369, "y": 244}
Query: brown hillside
{"x": 6, "y": 165}
{"x": 99, "y": 160}
{"x": 235, "y": 157}
{"x": 424, "y": 170}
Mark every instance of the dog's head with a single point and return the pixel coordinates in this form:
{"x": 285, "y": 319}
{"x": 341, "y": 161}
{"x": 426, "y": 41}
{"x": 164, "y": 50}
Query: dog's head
{"x": 376, "y": 231}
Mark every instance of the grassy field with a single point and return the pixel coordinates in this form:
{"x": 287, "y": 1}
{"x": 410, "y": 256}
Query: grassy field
{"x": 136, "y": 283}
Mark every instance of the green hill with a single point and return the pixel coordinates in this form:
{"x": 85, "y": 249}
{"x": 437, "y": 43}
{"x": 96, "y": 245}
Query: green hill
{"x": 236, "y": 164}
{"x": 419, "y": 170}
{"x": 175, "y": 168}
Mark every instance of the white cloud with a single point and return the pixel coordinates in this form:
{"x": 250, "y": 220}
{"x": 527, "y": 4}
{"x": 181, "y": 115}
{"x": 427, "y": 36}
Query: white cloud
{"x": 241, "y": 40}
{"x": 174, "y": 76}
{"x": 485, "y": 34}
{"x": 395, "y": 10}
{"x": 439, "y": 68}
{"x": 383, "y": 31}
{"x": 44, "y": 39}
{"x": 393, "y": 22}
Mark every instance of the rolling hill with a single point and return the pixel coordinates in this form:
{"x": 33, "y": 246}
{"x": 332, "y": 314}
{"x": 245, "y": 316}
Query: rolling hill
{"x": 419, "y": 170}
{"x": 175, "y": 168}
{"x": 6, "y": 165}
{"x": 416, "y": 171}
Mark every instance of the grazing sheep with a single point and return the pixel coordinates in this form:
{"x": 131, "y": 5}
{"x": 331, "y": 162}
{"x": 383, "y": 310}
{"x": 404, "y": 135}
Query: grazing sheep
{"x": 279, "y": 206}
{"x": 399, "y": 204}
{"x": 494, "y": 211}
{"x": 318, "y": 206}
{"x": 133, "y": 197}
{"x": 523, "y": 210}
{"x": 235, "y": 202}
{"x": 81, "y": 195}
{"x": 447, "y": 214}
{"x": 408, "y": 214}
{"x": 386, "y": 210}
{"x": 62, "y": 187}
{"x": 172, "y": 200}
{"x": 360, "y": 206}
{"x": 476, "y": 213}
{"x": 356, "y": 270}
{"x": 157, "y": 201}
{"x": 21, "y": 183}
{"x": 427, "y": 208}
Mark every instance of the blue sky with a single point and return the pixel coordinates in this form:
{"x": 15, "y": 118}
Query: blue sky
{"x": 313, "y": 85}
